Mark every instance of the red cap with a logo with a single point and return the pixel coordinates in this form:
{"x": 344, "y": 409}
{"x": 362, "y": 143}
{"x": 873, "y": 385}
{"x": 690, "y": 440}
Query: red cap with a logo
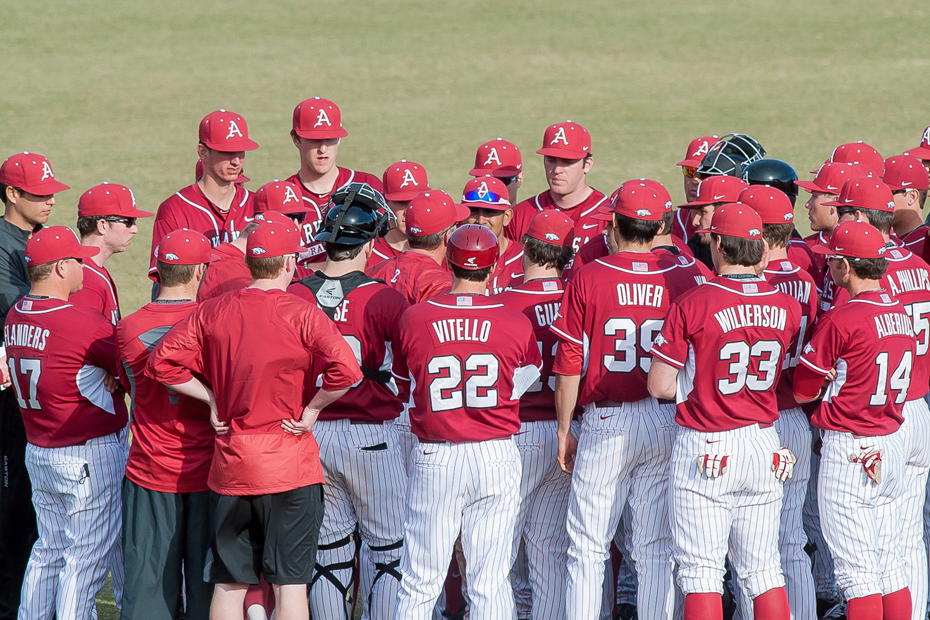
{"x": 431, "y": 212}
{"x": 635, "y": 200}
{"x": 862, "y": 154}
{"x": 553, "y": 227}
{"x": 282, "y": 196}
{"x": 498, "y": 158}
{"x": 403, "y": 180}
{"x": 855, "y": 240}
{"x": 486, "y": 192}
{"x": 183, "y": 247}
{"x": 274, "y": 216}
{"x": 273, "y": 239}
{"x": 226, "y": 132}
{"x": 735, "y": 220}
{"x": 864, "y": 193}
{"x": 55, "y": 243}
{"x": 31, "y": 173}
{"x": 109, "y": 199}
{"x": 922, "y": 151}
{"x": 831, "y": 177}
{"x": 719, "y": 188}
{"x": 905, "y": 172}
{"x": 318, "y": 119}
{"x": 566, "y": 140}
{"x": 697, "y": 150}
{"x": 772, "y": 205}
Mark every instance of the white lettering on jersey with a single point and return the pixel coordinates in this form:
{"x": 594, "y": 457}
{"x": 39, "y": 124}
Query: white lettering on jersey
{"x": 494, "y": 158}
{"x": 408, "y": 178}
{"x": 322, "y": 118}
{"x": 233, "y": 130}
{"x": 894, "y": 324}
{"x": 560, "y": 136}
{"x": 546, "y": 313}
{"x": 19, "y": 335}
{"x": 290, "y": 195}
{"x": 751, "y": 315}
{"x": 908, "y": 280}
{"x": 462, "y": 329}
{"x": 47, "y": 171}
{"x": 635, "y": 294}
{"x": 799, "y": 289}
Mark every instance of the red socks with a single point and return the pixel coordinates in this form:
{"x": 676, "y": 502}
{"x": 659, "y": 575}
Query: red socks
{"x": 771, "y": 605}
{"x": 703, "y": 606}
{"x": 867, "y": 608}
{"x": 897, "y": 605}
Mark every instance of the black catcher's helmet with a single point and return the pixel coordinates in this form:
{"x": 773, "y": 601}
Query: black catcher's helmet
{"x": 356, "y": 214}
{"x": 773, "y": 172}
{"x": 730, "y": 154}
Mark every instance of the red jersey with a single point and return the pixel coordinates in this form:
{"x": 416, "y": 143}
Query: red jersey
{"x": 907, "y": 278}
{"x": 598, "y": 248}
{"x": 682, "y": 226}
{"x": 417, "y": 276}
{"x": 729, "y": 339}
{"x": 508, "y": 272}
{"x": 820, "y": 260}
{"x": 59, "y": 355}
{"x": 539, "y": 301}
{"x": 915, "y": 240}
{"x": 693, "y": 267}
{"x": 381, "y": 252}
{"x": 317, "y": 203}
{"x": 469, "y": 360}
{"x": 586, "y": 227}
{"x": 870, "y": 342}
{"x": 366, "y": 312}
{"x": 255, "y": 349}
{"x": 98, "y": 292}
{"x": 611, "y": 311}
{"x": 794, "y": 282}
{"x": 226, "y": 274}
{"x": 801, "y": 255}
{"x": 172, "y": 439}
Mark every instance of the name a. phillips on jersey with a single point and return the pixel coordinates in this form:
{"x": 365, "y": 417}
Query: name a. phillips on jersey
{"x": 751, "y": 315}
{"x": 473, "y": 330}
{"x": 908, "y": 280}
{"x": 634, "y": 294}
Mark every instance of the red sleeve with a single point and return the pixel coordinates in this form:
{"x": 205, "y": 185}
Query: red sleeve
{"x": 330, "y": 352}
{"x": 102, "y": 350}
{"x": 89, "y": 297}
{"x": 179, "y": 354}
{"x": 569, "y": 328}
{"x": 435, "y": 289}
{"x": 825, "y": 347}
{"x": 671, "y": 344}
{"x": 392, "y": 335}
{"x": 807, "y": 383}
{"x": 399, "y": 367}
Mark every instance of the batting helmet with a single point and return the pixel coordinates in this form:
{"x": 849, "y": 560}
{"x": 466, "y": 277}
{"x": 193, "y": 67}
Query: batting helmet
{"x": 357, "y": 213}
{"x": 730, "y": 154}
{"x": 773, "y": 172}
{"x": 473, "y": 247}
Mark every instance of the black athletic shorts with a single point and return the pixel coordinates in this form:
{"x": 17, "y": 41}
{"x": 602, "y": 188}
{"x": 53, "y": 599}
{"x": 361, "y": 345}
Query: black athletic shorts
{"x": 274, "y": 534}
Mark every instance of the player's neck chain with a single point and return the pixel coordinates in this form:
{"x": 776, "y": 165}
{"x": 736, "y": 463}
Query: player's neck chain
{"x": 173, "y": 301}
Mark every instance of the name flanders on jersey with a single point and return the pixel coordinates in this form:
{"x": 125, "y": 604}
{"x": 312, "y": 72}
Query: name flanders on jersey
{"x": 20, "y": 335}
{"x": 751, "y": 315}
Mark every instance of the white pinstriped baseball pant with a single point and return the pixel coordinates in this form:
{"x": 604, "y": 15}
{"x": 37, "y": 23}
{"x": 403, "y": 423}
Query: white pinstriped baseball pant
{"x": 916, "y": 434}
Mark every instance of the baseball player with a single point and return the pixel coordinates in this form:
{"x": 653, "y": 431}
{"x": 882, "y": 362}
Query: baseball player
{"x": 365, "y": 474}
{"x": 720, "y": 354}
{"x": 402, "y": 182}
{"x": 611, "y": 310}
{"x": 166, "y": 504}
{"x": 694, "y": 155}
{"x": 198, "y": 172}
{"x": 863, "y": 353}
{"x": 107, "y": 216}
{"x": 74, "y": 456}
{"x": 567, "y": 159}
{"x": 500, "y": 159}
{"x": 712, "y": 192}
{"x": 27, "y": 190}
{"x": 486, "y": 200}
{"x": 215, "y": 206}
{"x": 265, "y": 474}
{"x": 544, "y": 488}
{"x": 317, "y": 132}
{"x": 908, "y": 182}
{"x": 468, "y": 359}
{"x": 922, "y": 151}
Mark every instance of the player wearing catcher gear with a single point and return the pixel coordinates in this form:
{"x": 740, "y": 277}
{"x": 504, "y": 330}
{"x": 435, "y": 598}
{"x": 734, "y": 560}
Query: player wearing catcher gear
{"x": 712, "y": 192}
{"x": 908, "y": 182}
{"x": 469, "y": 359}
{"x": 166, "y": 503}
{"x": 864, "y": 352}
{"x": 611, "y": 310}
{"x": 720, "y": 354}
{"x": 365, "y": 474}
{"x": 500, "y": 159}
{"x": 74, "y": 456}
{"x": 402, "y": 182}
{"x": 486, "y": 199}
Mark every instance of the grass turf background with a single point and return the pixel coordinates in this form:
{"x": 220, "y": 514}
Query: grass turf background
{"x": 115, "y": 90}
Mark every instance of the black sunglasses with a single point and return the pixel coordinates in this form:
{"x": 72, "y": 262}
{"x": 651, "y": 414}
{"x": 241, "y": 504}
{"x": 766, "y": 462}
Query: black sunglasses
{"x": 128, "y": 221}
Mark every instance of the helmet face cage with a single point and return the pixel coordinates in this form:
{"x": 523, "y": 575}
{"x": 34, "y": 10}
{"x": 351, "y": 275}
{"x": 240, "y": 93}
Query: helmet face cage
{"x": 729, "y": 155}
{"x": 356, "y": 213}
{"x": 773, "y": 172}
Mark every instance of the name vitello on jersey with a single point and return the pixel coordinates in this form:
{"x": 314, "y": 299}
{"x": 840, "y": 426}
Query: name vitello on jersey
{"x": 18, "y": 335}
{"x": 894, "y": 324}
{"x": 449, "y": 330}
{"x": 633, "y": 294}
{"x": 751, "y": 315}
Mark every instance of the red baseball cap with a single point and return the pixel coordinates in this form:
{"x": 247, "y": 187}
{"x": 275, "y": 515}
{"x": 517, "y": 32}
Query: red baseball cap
{"x": 55, "y": 243}
{"x": 551, "y": 226}
{"x": 864, "y": 193}
{"x": 198, "y": 172}
{"x": 905, "y": 172}
{"x": 831, "y": 176}
{"x": 697, "y": 150}
{"x": 226, "y": 132}
{"x": 566, "y": 140}
{"x": 109, "y": 199}
{"x": 31, "y": 173}
{"x": 282, "y": 196}
{"x": 318, "y": 119}
{"x": 403, "y": 180}
{"x": 498, "y": 158}
{"x": 636, "y": 200}
{"x": 735, "y": 220}
{"x": 273, "y": 239}
{"x": 433, "y": 211}
{"x": 720, "y": 188}
{"x": 855, "y": 240}
{"x": 922, "y": 151}
{"x": 486, "y": 192}
{"x": 274, "y": 216}
{"x": 772, "y": 205}
{"x": 862, "y": 154}
{"x": 183, "y": 247}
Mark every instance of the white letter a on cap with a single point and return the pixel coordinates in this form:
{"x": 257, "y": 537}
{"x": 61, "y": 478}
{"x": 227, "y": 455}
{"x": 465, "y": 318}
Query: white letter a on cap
{"x": 289, "y": 195}
{"x": 47, "y": 171}
{"x": 926, "y": 138}
{"x": 408, "y": 178}
{"x": 560, "y": 135}
{"x": 233, "y": 130}
{"x": 322, "y": 118}
{"x": 493, "y": 157}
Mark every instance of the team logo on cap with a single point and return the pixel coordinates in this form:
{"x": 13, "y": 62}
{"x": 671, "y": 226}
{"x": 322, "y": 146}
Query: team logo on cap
{"x": 408, "y": 178}
{"x": 788, "y": 217}
{"x": 560, "y": 136}
{"x": 493, "y": 157}
{"x": 172, "y": 256}
{"x": 415, "y": 230}
{"x": 643, "y": 212}
{"x": 322, "y": 118}
{"x": 926, "y": 137}
{"x": 471, "y": 262}
{"x": 881, "y": 250}
{"x": 289, "y": 195}
{"x": 891, "y": 205}
{"x": 233, "y": 130}
{"x": 259, "y": 251}
{"x": 483, "y": 190}
{"x": 28, "y": 260}
{"x": 552, "y": 237}
{"x": 754, "y": 232}
{"x": 47, "y": 171}
{"x": 702, "y": 150}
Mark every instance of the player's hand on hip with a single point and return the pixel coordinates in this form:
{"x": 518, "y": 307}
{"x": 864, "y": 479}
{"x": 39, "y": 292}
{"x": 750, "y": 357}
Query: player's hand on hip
{"x": 5, "y": 374}
{"x": 871, "y": 460}
{"x": 303, "y": 425}
{"x": 112, "y": 384}
{"x": 568, "y": 446}
{"x": 783, "y": 461}
{"x": 218, "y": 425}
{"x": 712, "y": 465}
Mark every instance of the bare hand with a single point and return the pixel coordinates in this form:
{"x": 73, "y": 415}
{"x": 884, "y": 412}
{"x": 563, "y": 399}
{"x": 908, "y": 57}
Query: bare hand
{"x": 112, "y": 384}
{"x": 218, "y": 425}
{"x": 303, "y": 425}
{"x": 830, "y": 377}
{"x": 5, "y": 382}
{"x": 568, "y": 447}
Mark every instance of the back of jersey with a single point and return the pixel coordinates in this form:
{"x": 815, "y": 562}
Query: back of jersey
{"x": 908, "y": 279}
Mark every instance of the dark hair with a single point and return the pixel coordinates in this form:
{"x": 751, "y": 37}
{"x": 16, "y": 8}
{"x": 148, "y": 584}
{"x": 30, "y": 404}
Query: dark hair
{"x": 479, "y": 275}
{"x": 868, "y": 268}
{"x": 249, "y": 228}
{"x": 633, "y": 230}
{"x": 39, "y": 273}
{"x": 921, "y": 198}
{"x": 881, "y": 220}
{"x": 547, "y": 255}
{"x": 778, "y": 235}
{"x": 740, "y": 251}
{"x": 264, "y": 267}
{"x": 667, "y": 225}
{"x": 338, "y": 252}
{"x": 174, "y": 275}
{"x": 3, "y": 192}
{"x": 427, "y": 242}
{"x": 88, "y": 224}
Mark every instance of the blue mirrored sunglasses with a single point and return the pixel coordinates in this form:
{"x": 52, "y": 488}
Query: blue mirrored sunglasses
{"x": 488, "y": 197}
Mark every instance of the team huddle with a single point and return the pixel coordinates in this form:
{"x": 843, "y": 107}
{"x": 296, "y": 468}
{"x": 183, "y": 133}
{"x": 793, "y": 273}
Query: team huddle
{"x": 351, "y": 391}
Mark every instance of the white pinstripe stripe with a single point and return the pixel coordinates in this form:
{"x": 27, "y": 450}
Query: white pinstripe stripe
{"x": 916, "y": 434}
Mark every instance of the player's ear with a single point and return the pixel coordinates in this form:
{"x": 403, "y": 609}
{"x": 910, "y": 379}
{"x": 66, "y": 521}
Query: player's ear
{"x": 102, "y": 225}
{"x": 202, "y": 151}
{"x": 295, "y": 138}
{"x": 588, "y": 163}
{"x": 508, "y": 215}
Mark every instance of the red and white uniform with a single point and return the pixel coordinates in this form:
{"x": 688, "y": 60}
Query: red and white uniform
{"x": 586, "y": 227}
{"x": 417, "y": 276}
{"x": 469, "y": 360}
{"x": 508, "y": 272}
{"x": 226, "y": 274}
{"x": 682, "y": 226}
{"x": 381, "y": 252}
{"x": 820, "y": 260}
{"x": 611, "y": 311}
{"x": 598, "y": 248}
{"x": 98, "y": 292}
{"x": 915, "y": 240}
{"x": 801, "y": 255}
{"x": 190, "y": 208}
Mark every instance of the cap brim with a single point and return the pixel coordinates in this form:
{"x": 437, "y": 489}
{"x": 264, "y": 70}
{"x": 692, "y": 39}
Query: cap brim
{"x": 46, "y": 189}
{"x": 402, "y": 196}
{"x": 823, "y": 249}
{"x": 698, "y": 203}
{"x": 604, "y": 216}
{"x": 462, "y": 212}
{"x": 504, "y": 172}
{"x": 242, "y": 179}
{"x": 691, "y": 163}
{"x": 812, "y": 187}
{"x": 486, "y": 205}
{"x": 138, "y": 213}
{"x": 234, "y": 147}
{"x": 328, "y": 134}
{"x": 920, "y": 152}
{"x": 86, "y": 251}
{"x": 563, "y": 153}
{"x": 214, "y": 257}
